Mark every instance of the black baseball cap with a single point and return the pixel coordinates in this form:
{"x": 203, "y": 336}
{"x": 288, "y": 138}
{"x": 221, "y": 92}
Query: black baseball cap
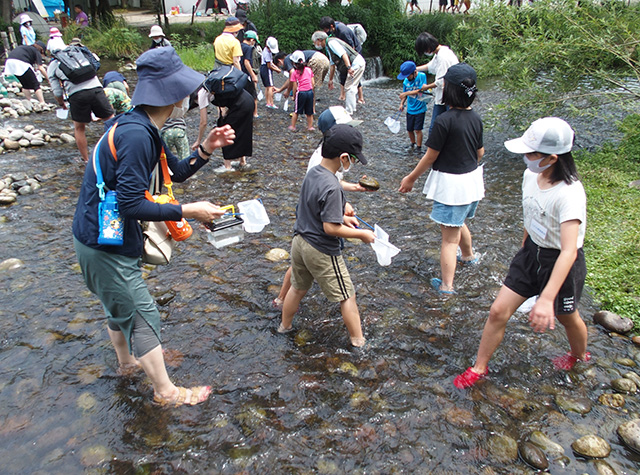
{"x": 343, "y": 138}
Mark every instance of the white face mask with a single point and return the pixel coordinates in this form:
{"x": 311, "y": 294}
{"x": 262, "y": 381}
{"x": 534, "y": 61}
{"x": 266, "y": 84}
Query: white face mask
{"x": 318, "y": 46}
{"x": 534, "y": 165}
{"x": 179, "y": 112}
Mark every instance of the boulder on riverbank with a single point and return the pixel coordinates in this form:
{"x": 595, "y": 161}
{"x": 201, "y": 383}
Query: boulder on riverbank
{"x": 613, "y": 322}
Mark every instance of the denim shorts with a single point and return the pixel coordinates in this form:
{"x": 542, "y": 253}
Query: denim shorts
{"x": 452, "y": 215}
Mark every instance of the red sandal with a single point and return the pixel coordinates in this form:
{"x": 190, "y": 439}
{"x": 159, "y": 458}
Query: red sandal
{"x": 468, "y": 378}
{"x": 568, "y": 361}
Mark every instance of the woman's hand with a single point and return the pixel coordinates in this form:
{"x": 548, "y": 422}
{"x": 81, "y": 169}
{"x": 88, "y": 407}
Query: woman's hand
{"x": 219, "y": 137}
{"x": 202, "y": 211}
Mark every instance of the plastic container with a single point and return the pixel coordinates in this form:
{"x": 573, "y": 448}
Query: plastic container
{"x": 111, "y": 225}
{"x": 254, "y": 215}
{"x": 225, "y": 231}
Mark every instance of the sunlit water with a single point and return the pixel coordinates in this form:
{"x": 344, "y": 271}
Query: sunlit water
{"x": 304, "y": 402}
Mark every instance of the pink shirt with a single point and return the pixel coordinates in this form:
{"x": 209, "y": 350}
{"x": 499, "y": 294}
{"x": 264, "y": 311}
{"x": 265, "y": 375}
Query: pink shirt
{"x": 304, "y": 79}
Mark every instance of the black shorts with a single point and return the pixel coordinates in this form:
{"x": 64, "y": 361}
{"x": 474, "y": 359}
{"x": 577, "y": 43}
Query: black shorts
{"x": 83, "y": 103}
{"x": 29, "y": 80}
{"x": 266, "y": 75}
{"x": 304, "y": 102}
{"x": 415, "y": 121}
{"x": 530, "y": 271}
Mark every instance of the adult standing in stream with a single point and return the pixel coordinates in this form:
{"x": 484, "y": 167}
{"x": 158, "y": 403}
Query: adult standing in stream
{"x": 113, "y": 272}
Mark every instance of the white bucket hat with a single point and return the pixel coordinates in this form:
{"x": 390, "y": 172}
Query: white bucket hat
{"x": 24, "y": 18}
{"x": 549, "y": 135}
{"x": 272, "y": 44}
{"x": 156, "y": 31}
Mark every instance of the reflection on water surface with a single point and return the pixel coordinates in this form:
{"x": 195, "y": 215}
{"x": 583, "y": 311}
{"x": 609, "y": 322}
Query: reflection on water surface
{"x": 305, "y": 402}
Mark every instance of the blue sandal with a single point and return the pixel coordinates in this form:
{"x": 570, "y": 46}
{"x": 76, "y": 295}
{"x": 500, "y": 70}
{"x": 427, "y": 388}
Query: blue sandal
{"x": 436, "y": 283}
{"x": 472, "y": 262}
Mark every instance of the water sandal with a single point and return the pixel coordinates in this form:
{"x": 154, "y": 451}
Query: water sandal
{"x": 277, "y": 303}
{"x": 470, "y": 262}
{"x": 291, "y": 128}
{"x": 436, "y": 283}
{"x": 198, "y": 394}
{"x": 468, "y": 378}
{"x": 282, "y": 329}
{"x": 568, "y": 361}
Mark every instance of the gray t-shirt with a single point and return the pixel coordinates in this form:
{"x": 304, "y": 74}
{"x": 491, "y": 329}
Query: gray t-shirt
{"x": 322, "y": 200}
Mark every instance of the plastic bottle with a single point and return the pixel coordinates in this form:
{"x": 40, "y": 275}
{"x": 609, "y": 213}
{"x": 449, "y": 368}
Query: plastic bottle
{"x": 111, "y": 225}
{"x": 180, "y": 230}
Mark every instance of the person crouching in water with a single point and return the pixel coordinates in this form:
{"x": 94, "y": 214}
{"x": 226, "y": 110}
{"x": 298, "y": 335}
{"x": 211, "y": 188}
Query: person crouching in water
{"x": 320, "y": 222}
{"x": 551, "y": 262}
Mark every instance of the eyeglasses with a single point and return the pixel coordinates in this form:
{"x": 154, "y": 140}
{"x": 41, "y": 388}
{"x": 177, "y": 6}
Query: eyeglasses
{"x": 354, "y": 158}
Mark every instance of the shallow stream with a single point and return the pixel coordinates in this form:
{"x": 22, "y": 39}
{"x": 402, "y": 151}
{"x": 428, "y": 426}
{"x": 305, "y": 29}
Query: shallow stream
{"x": 303, "y": 402}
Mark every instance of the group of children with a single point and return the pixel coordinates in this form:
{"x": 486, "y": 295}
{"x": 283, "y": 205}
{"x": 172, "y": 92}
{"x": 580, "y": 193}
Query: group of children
{"x": 549, "y": 265}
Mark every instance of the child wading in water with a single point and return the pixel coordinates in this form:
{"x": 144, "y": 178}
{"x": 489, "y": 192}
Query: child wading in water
{"x": 302, "y": 79}
{"x": 455, "y": 183}
{"x": 320, "y": 222}
{"x": 551, "y": 261}
{"x": 412, "y": 82}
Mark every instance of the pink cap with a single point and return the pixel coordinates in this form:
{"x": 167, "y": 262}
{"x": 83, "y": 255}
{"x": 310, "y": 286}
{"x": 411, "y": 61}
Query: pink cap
{"x": 54, "y": 32}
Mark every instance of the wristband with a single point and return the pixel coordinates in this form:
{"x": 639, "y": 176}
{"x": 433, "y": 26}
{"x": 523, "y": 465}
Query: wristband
{"x": 204, "y": 152}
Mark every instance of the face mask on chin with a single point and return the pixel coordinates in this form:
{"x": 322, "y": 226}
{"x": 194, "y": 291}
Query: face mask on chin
{"x": 534, "y": 165}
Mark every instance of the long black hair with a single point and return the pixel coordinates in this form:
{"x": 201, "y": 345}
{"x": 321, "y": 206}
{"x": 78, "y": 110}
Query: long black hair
{"x": 459, "y": 95}
{"x": 565, "y": 169}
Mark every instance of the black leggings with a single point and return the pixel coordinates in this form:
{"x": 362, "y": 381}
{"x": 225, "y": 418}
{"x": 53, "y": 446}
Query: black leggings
{"x": 143, "y": 336}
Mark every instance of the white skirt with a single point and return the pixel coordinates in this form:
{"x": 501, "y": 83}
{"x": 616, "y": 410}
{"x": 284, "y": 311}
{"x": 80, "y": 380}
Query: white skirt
{"x": 452, "y": 189}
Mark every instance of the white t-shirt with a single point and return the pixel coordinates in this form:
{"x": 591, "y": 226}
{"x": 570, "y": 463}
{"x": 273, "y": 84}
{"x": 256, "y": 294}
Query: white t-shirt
{"x": 545, "y": 210}
{"x": 438, "y": 66}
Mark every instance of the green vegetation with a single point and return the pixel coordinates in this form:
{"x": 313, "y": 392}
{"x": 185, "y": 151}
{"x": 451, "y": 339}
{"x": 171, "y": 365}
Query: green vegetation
{"x": 612, "y": 243}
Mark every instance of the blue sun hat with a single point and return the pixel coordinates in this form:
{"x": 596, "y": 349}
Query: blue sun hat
{"x": 407, "y": 69}
{"x": 163, "y": 79}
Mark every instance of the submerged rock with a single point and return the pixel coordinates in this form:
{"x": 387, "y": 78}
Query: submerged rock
{"x": 625, "y": 362}
{"x": 604, "y": 468}
{"x": 591, "y": 446}
{"x": 580, "y": 405}
{"x": 612, "y": 322}
{"x": 276, "y": 254}
{"x": 11, "y": 264}
{"x": 533, "y": 456}
{"x": 503, "y": 448}
{"x": 633, "y": 377}
{"x": 624, "y": 385}
{"x": 550, "y": 447}
{"x": 611, "y": 400}
{"x": 629, "y": 432}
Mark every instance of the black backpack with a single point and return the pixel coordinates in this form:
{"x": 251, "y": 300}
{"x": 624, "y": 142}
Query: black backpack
{"x": 225, "y": 83}
{"x": 77, "y": 63}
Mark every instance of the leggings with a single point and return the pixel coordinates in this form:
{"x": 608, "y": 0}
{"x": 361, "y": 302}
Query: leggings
{"x": 143, "y": 336}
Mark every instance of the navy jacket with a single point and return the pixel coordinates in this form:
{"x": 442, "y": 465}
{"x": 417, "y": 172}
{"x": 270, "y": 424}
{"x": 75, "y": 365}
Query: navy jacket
{"x": 138, "y": 145}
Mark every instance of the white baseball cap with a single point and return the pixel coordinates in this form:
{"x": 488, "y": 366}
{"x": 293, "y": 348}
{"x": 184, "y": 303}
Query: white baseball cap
{"x": 297, "y": 57}
{"x": 549, "y": 135}
{"x": 272, "y": 44}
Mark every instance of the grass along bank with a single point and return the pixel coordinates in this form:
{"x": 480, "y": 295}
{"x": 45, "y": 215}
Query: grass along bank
{"x": 612, "y": 242}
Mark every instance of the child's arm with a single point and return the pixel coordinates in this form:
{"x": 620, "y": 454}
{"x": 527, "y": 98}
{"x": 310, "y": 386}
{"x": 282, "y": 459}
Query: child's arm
{"x": 273, "y": 67}
{"x": 542, "y": 314}
{"x": 347, "y": 186}
{"x": 340, "y": 230}
{"x": 480, "y": 153}
{"x": 425, "y": 163}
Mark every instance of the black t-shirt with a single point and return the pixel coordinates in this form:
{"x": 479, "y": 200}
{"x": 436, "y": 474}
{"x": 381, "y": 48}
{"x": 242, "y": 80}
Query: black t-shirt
{"x": 27, "y": 54}
{"x": 457, "y": 135}
{"x": 288, "y": 64}
{"x": 248, "y": 27}
{"x": 247, "y": 53}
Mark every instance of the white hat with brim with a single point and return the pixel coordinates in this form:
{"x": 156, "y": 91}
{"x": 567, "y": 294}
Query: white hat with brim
{"x": 549, "y": 135}
{"x": 24, "y": 18}
{"x": 156, "y": 31}
{"x": 272, "y": 44}
{"x": 163, "y": 79}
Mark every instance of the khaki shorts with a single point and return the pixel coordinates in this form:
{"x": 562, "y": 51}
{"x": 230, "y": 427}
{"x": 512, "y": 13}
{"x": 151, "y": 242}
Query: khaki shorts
{"x": 319, "y": 64}
{"x": 330, "y": 272}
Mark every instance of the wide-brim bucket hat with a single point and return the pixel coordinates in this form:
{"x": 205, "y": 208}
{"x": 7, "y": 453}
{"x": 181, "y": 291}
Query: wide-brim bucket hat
{"x": 163, "y": 79}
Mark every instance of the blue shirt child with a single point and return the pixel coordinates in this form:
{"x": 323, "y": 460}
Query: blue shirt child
{"x": 414, "y": 105}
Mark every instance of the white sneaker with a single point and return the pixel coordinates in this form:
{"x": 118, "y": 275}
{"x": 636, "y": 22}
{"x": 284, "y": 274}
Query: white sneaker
{"x": 223, "y": 169}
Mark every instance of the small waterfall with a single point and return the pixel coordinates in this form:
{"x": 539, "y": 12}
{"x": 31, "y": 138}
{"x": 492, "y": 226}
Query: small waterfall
{"x": 373, "y": 69}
